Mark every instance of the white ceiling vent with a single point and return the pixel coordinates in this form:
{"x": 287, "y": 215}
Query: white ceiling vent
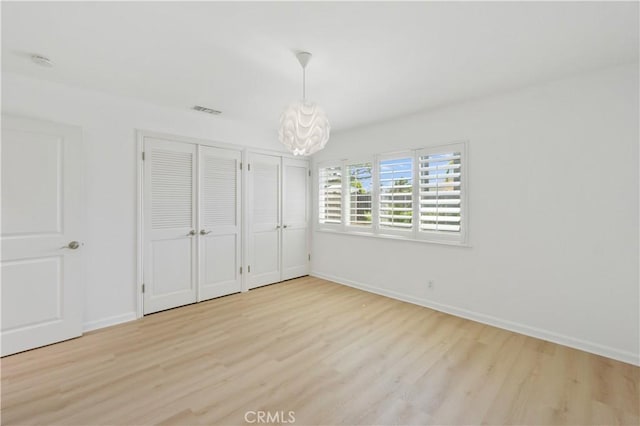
{"x": 207, "y": 110}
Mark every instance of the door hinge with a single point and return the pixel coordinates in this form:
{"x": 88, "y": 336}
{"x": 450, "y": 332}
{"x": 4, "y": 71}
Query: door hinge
{"x": 309, "y": 173}
{"x": 142, "y": 155}
{"x": 248, "y": 167}
{"x": 309, "y": 256}
{"x": 249, "y": 269}
{"x": 241, "y": 270}
{"x": 241, "y": 165}
{"x": 143, "y": 287}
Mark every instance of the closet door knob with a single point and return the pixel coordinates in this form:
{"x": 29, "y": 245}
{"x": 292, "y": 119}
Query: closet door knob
{"x": 203, "y": 232}
{"x": 277, "y": 226}
{"x": 285, "y": 226}
{"x": 73, "y": 245}
{"x": 191, "y": 233}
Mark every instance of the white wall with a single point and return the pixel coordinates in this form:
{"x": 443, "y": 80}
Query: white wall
{"x": 109, "y": 144}
{"x": 553, "y": 214}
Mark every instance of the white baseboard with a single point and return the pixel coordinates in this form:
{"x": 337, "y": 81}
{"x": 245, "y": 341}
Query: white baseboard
{"x": 109, "y": 321}
{"x": 550, "y": 336}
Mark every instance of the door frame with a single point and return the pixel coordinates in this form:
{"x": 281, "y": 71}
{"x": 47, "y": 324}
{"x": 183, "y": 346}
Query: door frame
{"x": 281, "y": 200}
{"x": 75, "y": 132}
{"x": 140, "y": 135}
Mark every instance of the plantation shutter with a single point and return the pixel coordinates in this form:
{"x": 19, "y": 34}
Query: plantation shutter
{"x": 396, "y": 193}
{"x": 441, "y": 190}
{"x": 330, "y": 195}
{"x": 360, "y": 180}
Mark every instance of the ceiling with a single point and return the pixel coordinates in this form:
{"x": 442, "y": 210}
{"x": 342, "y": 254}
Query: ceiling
{"x": 372, "y": 61}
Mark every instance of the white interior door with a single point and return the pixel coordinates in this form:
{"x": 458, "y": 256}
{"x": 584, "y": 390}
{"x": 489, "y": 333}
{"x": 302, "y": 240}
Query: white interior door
{"x": 42, "y": 297}
{"x": 264, "y": 220}
{"x": 220, "y": 225}
{"x": 170, "y": 224}
{"x": 295, "y": 218}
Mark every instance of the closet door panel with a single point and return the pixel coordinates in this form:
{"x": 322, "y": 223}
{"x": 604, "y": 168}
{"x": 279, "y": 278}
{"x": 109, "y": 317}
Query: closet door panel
{"x": 264, "y": 220}
{"x": 295, "y": 253}
{"x": 171, "y": 267}
{"x": 220, "y": 228}
{"x": 266, "y": 260}
{"x": 170, "y": 223}
{"x": 295, "y": 218}
{"x": 220, "y": 260}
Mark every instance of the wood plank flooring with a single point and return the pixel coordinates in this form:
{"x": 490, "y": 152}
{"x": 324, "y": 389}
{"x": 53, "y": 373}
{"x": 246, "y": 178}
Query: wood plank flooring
{"x": 329, "y": 353}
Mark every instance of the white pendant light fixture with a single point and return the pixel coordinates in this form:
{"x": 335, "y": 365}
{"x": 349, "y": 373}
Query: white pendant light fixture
{"x": 304, "y": 127}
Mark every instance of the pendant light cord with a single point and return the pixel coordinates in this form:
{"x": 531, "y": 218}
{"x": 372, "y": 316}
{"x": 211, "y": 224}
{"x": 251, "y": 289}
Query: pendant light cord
{"x": 304, "y": 84}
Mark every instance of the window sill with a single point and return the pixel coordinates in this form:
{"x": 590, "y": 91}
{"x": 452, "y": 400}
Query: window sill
{"x": 391, "y": 237}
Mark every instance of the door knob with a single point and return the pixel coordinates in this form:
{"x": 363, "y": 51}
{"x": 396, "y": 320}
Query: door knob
{"x": 191, "y": 233}
{"x": 203, "y": 232}
{"x": 72, "y": 245}
{"x": 277, "y": 226}
{"x": 284, "y": 226}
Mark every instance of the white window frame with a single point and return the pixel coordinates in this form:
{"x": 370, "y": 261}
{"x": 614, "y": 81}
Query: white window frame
{"x": 441, "y": 236}
{"x": 409, "y": 232}
{"x": 346, "y": 200}
{"x": 414, "y": 234}
{"x": 329, "y": 226}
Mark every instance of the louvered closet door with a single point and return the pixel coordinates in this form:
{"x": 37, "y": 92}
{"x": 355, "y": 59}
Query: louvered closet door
{"x": 264, "y": 220}
{"x": 220, "y": 237}
{"x": 170, "y": 224}
{"x": 295, "y": 218}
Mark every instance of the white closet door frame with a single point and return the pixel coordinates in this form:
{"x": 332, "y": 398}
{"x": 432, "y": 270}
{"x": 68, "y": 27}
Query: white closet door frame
{"x": 140, "y": 136}
{"x": 246, "y": 202}
{"x": 292, "y": 226}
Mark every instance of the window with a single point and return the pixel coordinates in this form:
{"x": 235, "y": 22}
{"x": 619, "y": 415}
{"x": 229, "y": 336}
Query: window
{"x": 419, "y": 195}
{"x": 330, "y": 195}
{"x": 440, "y": 190}
{"x": 396, "y": 193}
{"x": 360, "y": 201}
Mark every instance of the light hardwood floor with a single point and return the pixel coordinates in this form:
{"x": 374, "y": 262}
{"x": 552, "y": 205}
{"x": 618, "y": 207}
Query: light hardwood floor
{"x": 330, "y": 353}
